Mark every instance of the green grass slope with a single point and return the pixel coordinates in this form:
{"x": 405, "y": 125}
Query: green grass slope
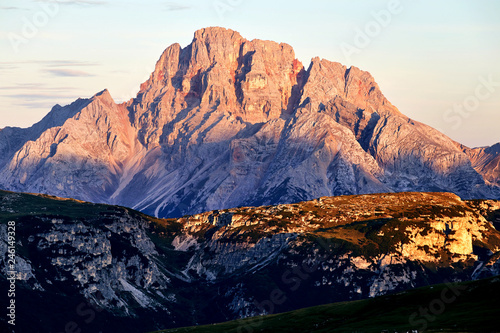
{"x": 453, "y": 307}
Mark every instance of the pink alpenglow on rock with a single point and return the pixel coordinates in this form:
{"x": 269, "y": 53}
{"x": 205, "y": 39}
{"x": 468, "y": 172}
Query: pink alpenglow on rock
{"x": 226, "y": 122}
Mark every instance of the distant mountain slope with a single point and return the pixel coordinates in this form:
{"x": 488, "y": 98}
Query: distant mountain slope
{"x": 226, "y": 122}
{"x": 486, "y": 161}
{"x": 465, "y": 307}
{"x": 110, "y": 268}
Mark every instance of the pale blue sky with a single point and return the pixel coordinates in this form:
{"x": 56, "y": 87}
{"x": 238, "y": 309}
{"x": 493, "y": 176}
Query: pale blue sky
{"x": 427, "y": 56}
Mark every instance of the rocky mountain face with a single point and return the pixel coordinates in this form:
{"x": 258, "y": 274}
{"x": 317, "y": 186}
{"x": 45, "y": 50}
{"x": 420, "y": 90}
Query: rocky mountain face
{"x": 486, "y": 161}
{"x": 103, "y": 267}
{"x": 225, "y": 122}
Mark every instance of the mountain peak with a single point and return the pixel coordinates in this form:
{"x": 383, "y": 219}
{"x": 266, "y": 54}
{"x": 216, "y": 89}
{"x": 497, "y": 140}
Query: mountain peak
{"x": 104, "y": 93}
{"x": 225, "y": 122}
{"x": 254, "y": 80}
{"x": 104, "y": 96}
{"x": 211, "y": 33}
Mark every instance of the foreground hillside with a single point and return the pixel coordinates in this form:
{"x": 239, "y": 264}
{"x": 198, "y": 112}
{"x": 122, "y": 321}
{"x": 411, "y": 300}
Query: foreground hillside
{"x": 112, "y": 268}
{"x": 453, "y": 307}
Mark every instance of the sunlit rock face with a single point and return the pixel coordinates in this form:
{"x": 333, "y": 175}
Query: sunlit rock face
{"x": 225, "y": 122}
{"x": 486, "y": 161}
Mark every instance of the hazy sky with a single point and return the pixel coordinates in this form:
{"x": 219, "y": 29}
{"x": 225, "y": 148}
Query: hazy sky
{"x": 437, "y": 61}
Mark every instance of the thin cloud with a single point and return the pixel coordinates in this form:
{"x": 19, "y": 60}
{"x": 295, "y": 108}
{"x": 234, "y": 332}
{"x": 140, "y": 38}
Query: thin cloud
{"x": 67, "y": 72}
{"x": 174, "y": 6}
{"x": 120, "y": 72}
{"x": 36, "y": 105}
{"x": 79, "y": 2}
{"x": 11, "y": 8}
{"x": 50, "y": 63}
{"x": 40, "y": 96}
{"x": 37, "y": 86}
{"x": 67, "y": 63}
{"x": 7, "y": 67}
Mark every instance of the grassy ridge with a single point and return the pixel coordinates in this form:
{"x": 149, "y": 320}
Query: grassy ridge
{"x": 455, "y": 307}
{"x": 18, "y": 205}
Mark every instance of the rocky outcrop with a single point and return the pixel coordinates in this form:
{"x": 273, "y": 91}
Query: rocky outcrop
{"x": 85, "y": 153}
{"x": 225, "y": 122}
{"x": 138, "y": 273}
{"x": 486, "y": 161}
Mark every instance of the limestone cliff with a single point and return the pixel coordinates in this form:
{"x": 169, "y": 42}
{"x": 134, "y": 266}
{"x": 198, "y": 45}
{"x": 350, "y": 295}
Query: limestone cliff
{"x": 486, "y": 161}
{"x": 225, "y": 122}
